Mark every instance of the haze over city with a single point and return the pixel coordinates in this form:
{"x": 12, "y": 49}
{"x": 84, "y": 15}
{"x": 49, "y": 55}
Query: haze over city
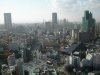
{"x": 49, "y": 37}
{"x": 29, "y": 11}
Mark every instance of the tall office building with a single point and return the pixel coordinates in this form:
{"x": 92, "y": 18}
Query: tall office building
{"x": 54, "y": 19}
{"x": 48, "y": 27}
{"x": 88, "y": 27}
{"x": 88, "y": 22}
{"x": 7, "y": 21}
{"x": 27, "y": 55}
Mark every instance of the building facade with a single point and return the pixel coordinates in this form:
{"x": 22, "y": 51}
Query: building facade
{"x": 54, "y": 19}
{"x": 88, "y": 22}
{"x": 7, "y": 21}
{"x": 88, "y": 27}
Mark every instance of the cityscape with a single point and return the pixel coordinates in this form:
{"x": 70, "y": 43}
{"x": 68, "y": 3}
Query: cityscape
{"x": 51, "y": 47}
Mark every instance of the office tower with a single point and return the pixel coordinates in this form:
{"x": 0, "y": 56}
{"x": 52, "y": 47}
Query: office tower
{"x": 19, "y": 67}
{"x": 27, "y": 55}
{"x": 64, "y": 22}
{"x": 88, "y": 22}
{"x": 97, "y": 28}
{"x": 48, "y": 27}
{"x": 75, "y": 35}
{"x": 54, "y": 19}
{"x": 7, "y": 21}
{"x": 88, "y": 27}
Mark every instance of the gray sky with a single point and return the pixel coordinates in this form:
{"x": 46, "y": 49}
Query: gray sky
{"x": 74, "y": 9}
{"x": 29, "y": 11}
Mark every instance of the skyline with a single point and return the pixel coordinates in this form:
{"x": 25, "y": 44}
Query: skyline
{"x": 30, "y": 11}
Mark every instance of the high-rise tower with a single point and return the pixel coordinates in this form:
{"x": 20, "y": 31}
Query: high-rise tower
{"x": 88, "y": 22}
{"x": 88, "y": 27}
{"x": 7, "y": 21}
{"x": 54, "y": 19}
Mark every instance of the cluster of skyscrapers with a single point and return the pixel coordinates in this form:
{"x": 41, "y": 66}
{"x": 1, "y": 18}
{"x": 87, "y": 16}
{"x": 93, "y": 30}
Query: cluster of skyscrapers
{"x": 8, "y": 20}
{"x": 54, "y": 49}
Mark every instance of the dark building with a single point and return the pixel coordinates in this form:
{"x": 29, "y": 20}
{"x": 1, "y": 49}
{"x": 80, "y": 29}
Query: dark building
{"x": 84, "y": 36}
{"x": 88, "y": 26}
{"x": 27, "y": 55}
{"x": 79, "y": 47}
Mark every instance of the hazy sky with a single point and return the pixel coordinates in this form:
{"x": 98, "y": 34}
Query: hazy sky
{"x": 29, "y": 11}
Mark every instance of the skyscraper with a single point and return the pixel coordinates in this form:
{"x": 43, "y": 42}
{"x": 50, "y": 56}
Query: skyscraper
{"x": 48, "y": 26}
{"x": 88, "y": 22}
{"x": 88, "y": 27}
{"x": 54, "y": 19}
{"x": 7, "y": 21}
